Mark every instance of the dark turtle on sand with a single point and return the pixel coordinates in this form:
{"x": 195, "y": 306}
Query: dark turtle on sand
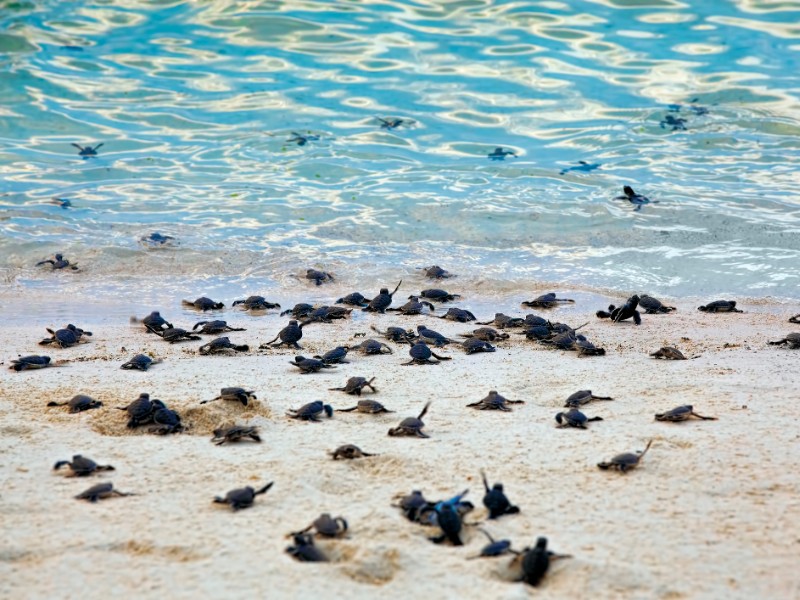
{"x": 582, "y": 398}
{"x": 301, "y": 139}
{"x": 326, "y": 314}
{"x": 500, "y": 154}
{"x": 234, "y": 394}
{"x": 242, "y": 497}
{"x": 395, "y": 334}
{"x": 311, "y": 411}
{"x": 436, "y": 272}
{"x": 429, "y": 336}
{"x": 63, "y": 338}
{"x": 235, "y": 433}
{"x": 335, "y": 356}
{"x": 157, "y": 240}
{"x": 371, "y": 346}
{"x": 574, "y": 418}
{"x": 621, "y": 313}
{"x": 586, "y": 348}
{"x": 532, "y": 320}
{"x": 391, "y": 122}
{"x": 155, "y": 323}
{"x": 78, "y": 403}
{"x": 100, "y": 492}
{"x": 794, "y": 319}
{"x": 58, "y": 262}
{"x": 438, "y": 295}
{"x": 486, "y": 334}
{"x": 791, "y": 339}
{"x": 304, "y": 549}
{"x": 413, "y": 306}
{"x": 299, "y": 311}
{"x": 354, "y": 299}
{"x": 370, "y": 407}
{"x": 668, "y": 353}
{"x": 682, "y": 413}
{"x": 141, "y": 362}
{"x": 421, "y": 355}
{"x": 318, "y": 277}
{"x": 494, "y": 401}
{"x": 626, "y": 461}
{"x": 221, "y": 344}
{"x": 502, "y": 321}
{"x": 653, "y": 306}
{"x": 165, "y": 419}
{"x": 449, "y": 519}
{"x": 327, "y": 526}
{"x": 87, "y": 151}
{"x": 23, "y": 363}
{"x": 636, "y": 199}
{"x": 493, "y": 548}
{"x": 309, "y": 365}
{"x": 412, "y": 505}
{"x": 582, "y": 166}
{"x": 355, "y": 385}
{"x": 81, "y": 466}
{"x": 382, "y": 301}
{"x": 458, "y": 314}
{"x": 720, "y": 306}
{"x": 547, "y": 301}
{"x": 203, "y": 303}
{"x": 289, "y": 335}
{"x": 176, "y": 334}
{"x": 411, "y": 426}
{"x": 349, "y": 452}
{"x": 535, "y": 562}
{"x": 140, "y": 411}
{"x": 543, "y": 333}
{"x": 495, "y": 500}
{"x": 255, "y": 303}
{"x": 673, "y": 123}
{"x": 214, "y": 327}
{"x": 473, "y": 345}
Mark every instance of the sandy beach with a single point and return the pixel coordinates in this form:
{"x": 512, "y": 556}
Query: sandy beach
{"x": 713, "y": 511}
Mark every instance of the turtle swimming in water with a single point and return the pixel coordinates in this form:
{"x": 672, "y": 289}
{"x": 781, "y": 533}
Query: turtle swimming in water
{"x": 327, "y": 526}
{"x": 242, "y": 497}
{"x": 234, "y": 433}
{"x": 421, "y": 355}
{"x": 215, "y": 327}
{"x": 382, "y": 301}
{"x": 255, "y": 303}
{"x": 621, "y": 313}
{"x": 720, "y": 306}
{"x": 289, "y": 335}
{"x": 395, "y": 334}
{"x": 582, "y": 166}
{"x": 354, "y": 299}
{"x": 436, "y": 272}
{"x": 202, "y": 303}
{"x": 58, "y": 262}
{"x": 349, "y": 452}
{"x": 80, "y": 466}
{"x": 791, "y": 339}
{"x": 574, "y": 418}
{"x": 411, "y": 426}
{"x": 494, "y": 401}
{"x": 311, "y": 411}
{"x": 547, "y": 301}
{"x": 500, "y": 154}
{"x": 676, "y": 123}
{"x": 176, "y": 334}
{"x": 304, "y": 549}
{"x": 335, "y": 356}
{"x": 438, "y": 295}
{"x": 682, "y": 413}
{"x": 318, "y": 277}
{"x": 668, "y": 353}
{"x": 301, "y": 139}
{"x": 495, "y": 500}
{"x": 371, "y": 346}
{"x": 626, "y": 461}
{"x": 309, "y": 365}
{"x": 221, "y": 344}
{"x": 636, "y": 199}
{"x": 87, "y": 151}
{"x": 370, "y": 407}
{"x": 155, "y": 323}
{"x": 413, "y": 307}
{"x": 24, "y": 363}
{"x": 473, "y": 345}
{"x": 100, "y": 492}
{"x": 391, "y": 122}
{"x": 78, "y": 403}
{"x": 234, "y": 394}
{"x": 653, "y": 306}
{"x": 157, "y": 240}
{"x": 355, "y": 385}
{"x": 582, "y": 398}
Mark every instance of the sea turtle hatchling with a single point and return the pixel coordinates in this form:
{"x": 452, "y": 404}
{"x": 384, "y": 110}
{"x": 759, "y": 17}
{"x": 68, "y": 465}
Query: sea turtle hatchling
{"x": 176, "y": 334}
{"x": 448, "y": 517}
{"x": 636, "y": 199}
{"x": 214, "y": 327}
{"x": 81, "y": 466}
{"x": 318, "y": 277}
{"x": 473, "y": 345}
{"x": 235, "y": 433}
{"x": 429, "y": 336}
{"x": 349, "y": 452}
{"x": 371, "y": 346}
{"x": 535, "y": 562}
{"x": 78, "y": 403}
{"x": 495, "y": 500}
{"x": 140, "y": 411}
{"x": 493, "y": 548}
{"x": 582, "y": 398}
{"x": 411, "y": 426}
{"x": 221, "y": 344}
{"x": 355, "y": 385}
{"x": 155, "y": 323}
{"x": 63, "y": 338}
{"x": 626, "y": 461}
{"x": 500, "y": 153}
{"x": 100, "y": 492}
{"x": 24, "y": 363}
{"x": 391, "y": 122}
{"x": 791, "y": 339}
{"x": 301, "y": 139}
{"x": 382, "y": 301}
{"x": 438, "y": 295}
{"x": 582, "y": 166}
{"x": 327, "y": 526}
{"x": 234, "y": 394}
{"x": 574, "y": 418}
{"x": 459, "y": 315}
{"x": 304, "y": 549}
{"x": 413, "y": 307}
{"x": 202, "y": 303}
{"x": 255, "y": 303}
{"x": 682, "y": 413}
{"x": 242, "y": 497}
{"x": 395, "y": 334}
{"x": 299, "y": 311}
{"x": 668, "y": 353}
{"x": 58, "y": 262}
{"x": 140, "y": 362}
{"x": 436, "y": 272}
{"x": 370, "y": 407}
{"x": 309, "y": 365}
{"x": 494, "y": 401}
{"x": 421, "y": 355}
{"x": 354, "y": 299}
{"x": 289, "y": 335}
{"x": 157, "y": 240}
{"x": 502, "y": 321}
{"x": 335, "y": 356}
{"x": 547, "y": 301}
{"x": 621, "y": 313}
{"x": 718, "y": 306}
{"x": 311, "y": 411}
{"x": 87, "y": 151}
{"x": 653, "y": 306}
{"x": 486, "y": 334}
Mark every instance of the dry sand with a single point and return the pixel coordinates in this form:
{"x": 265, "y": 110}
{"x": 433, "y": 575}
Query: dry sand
{"x": 712, "y": 512}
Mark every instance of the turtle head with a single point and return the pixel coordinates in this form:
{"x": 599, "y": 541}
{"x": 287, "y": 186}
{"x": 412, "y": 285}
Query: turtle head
{"x": 59, "y": 256}
{"x": 292, "y": 322}
{"x": 144, "y": 396}
{"x": 328, "y": 410}
{"x": 497, "y": 487}
{"x": 628, "y": 190}
{"x": 384, "y": 290}
{"x": 560, "y": 418}
{"x": 541, "y": 543}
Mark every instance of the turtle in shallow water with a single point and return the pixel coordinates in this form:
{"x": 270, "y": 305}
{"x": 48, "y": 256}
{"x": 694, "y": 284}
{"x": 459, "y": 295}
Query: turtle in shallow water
{"x": 202, "y": 303}
{"x": 794, "y": 319}
{"x": 436, "y": 272}
{"x": 155, "y": 323}
{"x": 391, "y": 122}
{"x": 140, "y": 411}
{"x": 309, "y": 365}
{"x": 547, "y": 301}
{"x": 720, "y": 306}
{"x": 653, "y": 306}
{"x": 382, "y": 301}
{"x": 668, "y": 353}
{"x": 486, "y": 334}
{"x": 23, "y": 363}
{"x": 395, "y": 334}
{"x": 493, "y": 548}
{"x": 371, "y": 346}
{"x": 429, "y": 336}
{"x": 621, "y": 313}
{"x": 535, "y": 562}
{"x": 176, "y": 334}
{"x": 289, "y": 335}
{"x": 255, "y": 303}
{"x": 299, "y": 311}
{"x": 355, "y": 385}
{"x": 141, "y": 362}
{"x": 626, "y": 461}
{"x": 675, "y": 123}
{"x": 242, "y": 497}
{"x": 302, "y": 139}
{"x": 311, "y": 411}
{"x": 411, "y": 426}
{"x": 100, "y": 492}
{"x": 582, "y": 166}
{"x": 494, "y": 401}
{"x": 221, "y": 344}
{"x": 582, "y": 398}
{"x": 58, "y": 262}
{"x": 473, "y": 345}
{"x": 235, "y": 433}
{"x": 335, "y": 356}
{"x": 438, "y": 295}
{"x": 318, "y": 277}
{"x": 63, "y": 338}
{"x": 458, "y": 314}
{"x": 413, "y": 307}
{"x": 157, "y": 240}
{"x": 349, "y": 452}
{"x": 234, "y": 394}
{"x": 574, "y": 418}
{"x": 327, "y": 526}
{"x": 87, "y": 151}
{"x": 370, "y": 407}
{"x": 682, "y": 413}
{"x": 421, "y": 355}
{"x": 495, "y": 500}
{"x": 81, "y": 466}
{"x": 354, "y": 299}
{"x": 61, "y": 202}
{"x": 791, "y": 339}
{"x": 78, "y": 403}
{"x": 500, "y": 153}
{"x": 215, "y": 327}
{"x": 636, "y": 199}
{"x": 304, "y": 549}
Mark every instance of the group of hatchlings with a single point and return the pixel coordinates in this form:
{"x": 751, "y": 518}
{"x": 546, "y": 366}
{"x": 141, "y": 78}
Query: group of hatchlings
{"x": 447, "y": 515}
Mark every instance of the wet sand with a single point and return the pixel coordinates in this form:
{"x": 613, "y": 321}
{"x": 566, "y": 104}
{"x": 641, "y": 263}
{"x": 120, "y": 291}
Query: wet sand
{"x": 713, "y": 511}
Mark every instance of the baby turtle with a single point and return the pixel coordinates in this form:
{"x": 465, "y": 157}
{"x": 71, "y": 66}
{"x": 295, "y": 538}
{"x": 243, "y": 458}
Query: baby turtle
{"x": 449, "y": 521}
{"x": 354, "y": 299}
{"x": 326, "y": 314}
{"x": 371, "y": 346}
{"x": 675, "y": 123}
{"x": 429, "y": 336}
{"x": 242, "y": 497}
{"x": 413, "y": 306}
{"x": 438, "y": 295}
{"x": 682, "y": 413}
{"x": 309, "y": 365}
{"x": 166, "y": 420}
{"x": 63, "y": 338}
{"x": 626, "y": 461}
{"x": 370, "y": 407}
{"x": 495, "y": 500}
{"x": 494, "y": 401}
{"x": 653, "y": 306}
{"x": 626, "y": 311}
{"x": 391, "y": 122}
{"x": 100, "y": 492}
{"x": 87, "y": 151}
{"x": 382, "y": 301}
{"x": 215, "y": 327}
{"x": 535, "y": 562}
{"x": 81, "y": 466}
{"x": 61, "y": 202}
{"x": 157, "y": 240}
{"x": 547, "y": 301}
{"x": 23, "y": 363}
{"x": 255, "y": 303}
{"x": 235, "y": 433}
{"x": 203, "y": 303}
{"x": 300, "y": 139}
{"x": 176, "y": 334}
{"x": 636, "y": 199}
{"x": 411, "y": 425}
{"x": 140, "y": 411}
{"x": 458, "y": 314}
{"x": 792, "y": 339}
{"x": 486, "y": 334}
{"x": 349, "y": 452}
{"x": 502, "y": 321}
{"x": 221, "y": 344}
{"x": 335, "y": 356}
{"x": 421, "y": 355}
{"x": 720, "y": 306}
{"x": 436, "y": 272}
{"x": 668, "y": 353}
{"x": 58, "y": 262}
{"x": 327, "y": 526}
{"x": 78, "y": 403}
{"x": 355, "y": 385}
{"x": 493, "y": 548}
{"x": 574, "y": 418}
{"x": 500, "y": 154}
{"x": 234, "y": 394}
{"x": 582, "y": 166}
{"x": 395, "y": 334}
{"x": 412, "y": 505}
{"x": 311, "y": 411}
{"x": 304, "y": 549}
{"x": 289, "y": 335}
{"x": 582, "y": 398}
{"x": 318, "y": 277}
{"x": 299, "y": 311}
{"x": 586, "y": 348}
{"x": 473, "y": 345}
{"x": 794, "y": 319}
{"x": 155, "y": 323}
{"x": 142, "y": 362}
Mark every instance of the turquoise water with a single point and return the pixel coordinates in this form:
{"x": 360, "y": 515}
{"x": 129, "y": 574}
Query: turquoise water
{"x": 194, "y": 103}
